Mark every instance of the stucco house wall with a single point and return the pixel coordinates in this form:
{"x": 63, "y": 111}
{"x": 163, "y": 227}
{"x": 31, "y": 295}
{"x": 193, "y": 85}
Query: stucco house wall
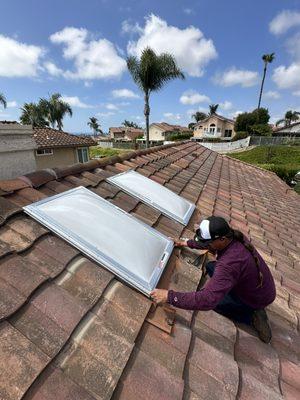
{"x": 203, "y": 129}
{"x": 16, "y": 150}
{"x": 60, "y": 157}
{"x": 155, "y": 133}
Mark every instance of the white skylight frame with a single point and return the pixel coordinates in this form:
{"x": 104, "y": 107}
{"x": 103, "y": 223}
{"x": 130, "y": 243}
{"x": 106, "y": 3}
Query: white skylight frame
{"x": 151, "y": 187}
{"x": 132, "y": 246}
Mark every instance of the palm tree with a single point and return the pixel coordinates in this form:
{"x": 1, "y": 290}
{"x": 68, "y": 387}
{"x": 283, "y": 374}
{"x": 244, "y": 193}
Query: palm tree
{"x": 289, "y": 117}
{"x": 93, "y": 124}
{"x": 32, "y": 115}
{"x": 267, "y": 59}
{"x": 199, "y": 116}
{"x": 55, "y": 110}
{"x": 150, "y": 73}
{"x": 213, "y": 109}
{"x": 3, "y": 100}
{"x": 130, "y": 124}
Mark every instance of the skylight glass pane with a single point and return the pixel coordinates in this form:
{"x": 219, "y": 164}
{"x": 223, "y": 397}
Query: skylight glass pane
{"x": 155, "y": 195}
{"x": 129, "y": 248}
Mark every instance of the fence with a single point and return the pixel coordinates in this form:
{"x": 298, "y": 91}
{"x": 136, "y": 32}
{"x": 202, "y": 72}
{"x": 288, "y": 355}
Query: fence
{"x": 274, "y": 140}
{"x": 227, "y": 146}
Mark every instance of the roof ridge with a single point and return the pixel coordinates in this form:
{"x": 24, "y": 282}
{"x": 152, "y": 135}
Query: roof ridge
{"x": 42, "y": 176}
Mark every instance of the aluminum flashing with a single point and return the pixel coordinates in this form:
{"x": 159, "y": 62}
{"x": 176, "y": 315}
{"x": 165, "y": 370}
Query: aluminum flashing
{"x": 126, "y": 246}
{"x": 154, "y": 194}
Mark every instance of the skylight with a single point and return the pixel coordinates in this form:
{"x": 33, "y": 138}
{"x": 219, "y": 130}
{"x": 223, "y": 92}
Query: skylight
{"x": 155, "y": 195}
{"x": 126, "y": 246}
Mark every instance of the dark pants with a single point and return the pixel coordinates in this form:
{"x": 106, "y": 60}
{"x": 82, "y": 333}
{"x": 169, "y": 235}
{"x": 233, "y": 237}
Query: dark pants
{"x": 231, "y": 306}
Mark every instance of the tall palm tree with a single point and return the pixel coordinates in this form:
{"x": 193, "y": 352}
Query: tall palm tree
{"x": 267, "y": 59}
{"x": 199, "y": 116}
{"x": 150, "y": 73}
{"x": 213, "y": 109}
{"x": 55, "y": 110}
{"x": 93, "y": 124}
{"x": 3, "y": 100}
{"x": 33, "y": 115}
{"x": 289, "y": 117}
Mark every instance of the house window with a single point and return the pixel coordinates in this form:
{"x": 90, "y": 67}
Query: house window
{"x": 212, "y": 128}
{"x": 219, "y": 129}
{"x": 228, "y": 133}
{"x": 83, "y": 155}
{"x": 44, "y": 152}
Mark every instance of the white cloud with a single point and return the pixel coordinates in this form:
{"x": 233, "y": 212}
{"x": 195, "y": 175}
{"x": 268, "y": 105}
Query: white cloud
{"x": 293, "y": 46}
{"x": 296, "y": 93}
{"x": 129, "y": 27}
{"x": 74, "y": 101}
{"x": 284, "y": 21}
{"x": 111, "y": 106}
{"x": 189, "y": 46}
{"x": 188, "y": 11}
{"x": 12, "y": 104}
{"x": 234, "y": 76}
{"x": 124, "y": 93}
{"x": 192, "y": 97}
{"x": 172, "y": 116}
{"x": 52, "y": 69}
{"x": 93, "y": 59}
{"x": 226, "y": 105}
{"x": 271, "y": 94}
{"x": 105, "y": 114}
{"x": 287, "y": 77}
{"x": 19, "y": 59}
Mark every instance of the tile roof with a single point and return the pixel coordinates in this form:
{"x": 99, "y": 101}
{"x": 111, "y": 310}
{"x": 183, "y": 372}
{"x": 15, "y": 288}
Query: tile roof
{"x": 70, "y": 330}
{"x": 170, "y": 128}
{"x": 217, "y": 116}
{"x": 49, "y": 138}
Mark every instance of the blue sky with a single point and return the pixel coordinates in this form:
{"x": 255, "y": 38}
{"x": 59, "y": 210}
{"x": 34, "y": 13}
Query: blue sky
{"x": 79, "y": 50}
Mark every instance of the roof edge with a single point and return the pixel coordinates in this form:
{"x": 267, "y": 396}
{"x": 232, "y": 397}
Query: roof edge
{"x": 40, "y": 177}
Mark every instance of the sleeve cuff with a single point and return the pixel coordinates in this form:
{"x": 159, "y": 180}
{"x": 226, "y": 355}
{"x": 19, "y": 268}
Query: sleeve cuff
{"x": 172, "y": 298}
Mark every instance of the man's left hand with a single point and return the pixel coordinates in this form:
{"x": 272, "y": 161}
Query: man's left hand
{"x": 159, "y": 296}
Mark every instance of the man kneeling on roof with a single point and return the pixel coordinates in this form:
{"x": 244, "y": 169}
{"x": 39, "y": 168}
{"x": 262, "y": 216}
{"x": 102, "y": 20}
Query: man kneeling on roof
{"x": 241, "y": 284}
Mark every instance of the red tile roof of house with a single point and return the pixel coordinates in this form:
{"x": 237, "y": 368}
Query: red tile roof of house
{"x": 217, "y": 116}
{"x": 170, "y": 128}
{"x": 71, "y": 330}
{"x": 49, "y": 138}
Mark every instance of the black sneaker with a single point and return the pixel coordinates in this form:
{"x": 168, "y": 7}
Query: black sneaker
{"x": 261, "y": 324}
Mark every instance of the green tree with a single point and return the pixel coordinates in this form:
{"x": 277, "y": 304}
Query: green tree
{"x": 151, "y": 73}
{"x": 93, "y": 124}
{"x": 3, "y": 100}
{"x": 131, "y": 124}
{"x": 213, "y": 109}
{"x": 33, "y": 115}
{"x": 289, "y": 117}
{"x": 267, "y": 59}
{"x": 55, "y": 109}
{"x": 254, "y": 123}
{"x": 199, "y": 116}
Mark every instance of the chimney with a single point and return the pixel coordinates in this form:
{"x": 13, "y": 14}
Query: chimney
{"x": 16, "y": 150}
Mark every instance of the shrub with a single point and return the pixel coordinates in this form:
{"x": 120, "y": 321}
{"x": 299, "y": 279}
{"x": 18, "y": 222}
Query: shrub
{"x": 260, "y": 130}
{"x": 179, "y": 136}
{"x": 239, "y": 136}
{"x": 285, "y": 172}
{"x": 255, "y": 121}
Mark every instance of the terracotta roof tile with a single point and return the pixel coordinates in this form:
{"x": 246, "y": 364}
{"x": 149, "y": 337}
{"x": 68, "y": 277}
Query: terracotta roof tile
{"x": 78, "y": 314}
{"x": 21, "y": 362}
{"x": 49, "y": 138}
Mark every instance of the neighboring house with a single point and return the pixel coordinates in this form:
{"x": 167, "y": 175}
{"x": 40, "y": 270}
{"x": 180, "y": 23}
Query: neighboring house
{"x": 59, "y": 148}
{"x": 159, "y": 131}
{"x": 16, "y": 149}
{"x": 215, "y": 126}
{"x": 70, "y": 329}
{"x": 291, "y": 130}
{"x": 125, "y": 133}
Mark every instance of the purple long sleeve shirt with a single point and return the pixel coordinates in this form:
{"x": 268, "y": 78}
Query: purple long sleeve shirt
{"x": 235, "y": 271}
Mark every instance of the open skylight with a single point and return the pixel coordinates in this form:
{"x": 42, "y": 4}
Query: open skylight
{"x": 126, "y": 246}
{"x": 155, "y": 195}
